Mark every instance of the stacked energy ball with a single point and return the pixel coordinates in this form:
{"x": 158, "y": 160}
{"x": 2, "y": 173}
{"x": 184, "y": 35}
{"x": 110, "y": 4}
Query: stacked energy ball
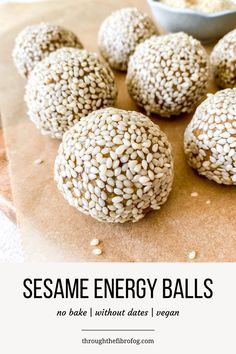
{"x": 117, "y": 165}
{"x": 65, "y": 86}
{"x": 36, "y": 42}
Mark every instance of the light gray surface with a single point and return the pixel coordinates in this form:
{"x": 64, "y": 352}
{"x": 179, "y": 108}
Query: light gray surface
{"x": 203, "y": 26}
{"x": 10, "y": 243}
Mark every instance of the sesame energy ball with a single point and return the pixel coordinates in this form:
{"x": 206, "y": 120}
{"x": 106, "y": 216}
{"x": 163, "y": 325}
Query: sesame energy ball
{"x": 223, "y": 60}
{"x": 66, "y": 85}
{"x": 210, "y": 138}
{"x": 35, "y": 42}
{"x": 168, "y": 74}
{"x": 121, "y": 32}
{"x": 115, "y": 165}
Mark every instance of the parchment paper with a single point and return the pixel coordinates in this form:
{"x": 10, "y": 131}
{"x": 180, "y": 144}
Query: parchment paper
{"x": 51, "y": 229}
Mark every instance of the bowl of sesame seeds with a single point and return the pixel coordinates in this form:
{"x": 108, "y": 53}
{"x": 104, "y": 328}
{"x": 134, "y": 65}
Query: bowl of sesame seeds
{"x": 205, "y": 25}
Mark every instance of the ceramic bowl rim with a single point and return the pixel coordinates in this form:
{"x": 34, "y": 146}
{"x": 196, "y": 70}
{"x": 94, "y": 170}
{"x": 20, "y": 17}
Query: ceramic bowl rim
{"x": 187, "y": 11}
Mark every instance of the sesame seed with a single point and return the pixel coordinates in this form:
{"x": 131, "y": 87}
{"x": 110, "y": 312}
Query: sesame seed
{"x": 192, "y": 255}
{"x": 109, "y": 163}
{"x": 116, "y": 200}
{"x": 194, "y": 194}
{"x": 97, "y": 251}
{"x": 120, "y": 150}
{"x": 38, "y": 161}
{"x": 94, "y": 242}
{"x": 149, "y": 158}
{"x": 143, "y": 180}
{"x": 137, "y": 168}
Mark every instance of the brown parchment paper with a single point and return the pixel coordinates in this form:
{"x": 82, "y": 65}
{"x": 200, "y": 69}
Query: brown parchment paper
{"x": 52, "y": 230}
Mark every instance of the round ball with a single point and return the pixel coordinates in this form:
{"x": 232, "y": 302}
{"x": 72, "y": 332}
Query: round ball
{"x": 210, "y": 138}
{"x": 115, "y": 165}
{"x": 121, "y": 32}
{"x": 168, "y": 74}
{"x": 66, "y": 85}
{"x": 223, "y": 60}
{"x": 35, "y": 42}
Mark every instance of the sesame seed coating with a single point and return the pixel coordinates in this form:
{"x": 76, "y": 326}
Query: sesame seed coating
{"x": 210, "y": 138}
{"x": 121, "y": 32}
{"x": 115, "y": 165}
{"x": 35, "y": 42}
{"x": 168, "y": 74}
{"x": 223, "y": 60}
{"x": 192, "y": 255}
{"x": 65, "y": 86}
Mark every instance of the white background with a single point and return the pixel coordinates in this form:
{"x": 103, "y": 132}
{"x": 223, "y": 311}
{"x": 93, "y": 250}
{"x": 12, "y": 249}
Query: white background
{"x": 204, "y": 326}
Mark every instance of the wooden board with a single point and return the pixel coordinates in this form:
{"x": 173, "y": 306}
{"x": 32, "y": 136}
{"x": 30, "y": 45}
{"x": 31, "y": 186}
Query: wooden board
{"x": 6, "y": 201}
{"x": 54, "y": 231}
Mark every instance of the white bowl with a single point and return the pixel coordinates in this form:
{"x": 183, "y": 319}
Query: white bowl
{"x": 203, "y": 26}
